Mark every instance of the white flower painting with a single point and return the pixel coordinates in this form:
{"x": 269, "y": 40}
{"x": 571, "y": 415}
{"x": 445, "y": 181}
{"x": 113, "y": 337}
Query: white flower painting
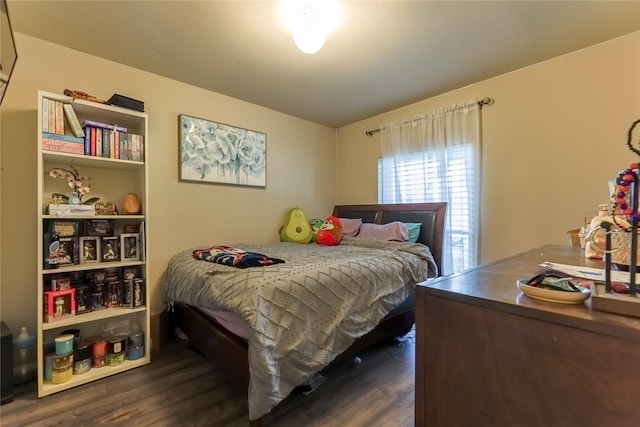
{"x": 217, "y": 153}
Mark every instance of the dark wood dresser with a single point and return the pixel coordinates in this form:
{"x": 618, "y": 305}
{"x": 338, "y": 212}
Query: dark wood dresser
{"x": 488, "y": 355}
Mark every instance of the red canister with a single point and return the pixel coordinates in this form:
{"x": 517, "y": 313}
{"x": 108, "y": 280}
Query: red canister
{"x": 99, "y": 352}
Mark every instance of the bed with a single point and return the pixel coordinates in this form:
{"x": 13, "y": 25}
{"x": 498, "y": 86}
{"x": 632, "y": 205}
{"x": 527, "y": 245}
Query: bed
{"x": 288, "y": 308}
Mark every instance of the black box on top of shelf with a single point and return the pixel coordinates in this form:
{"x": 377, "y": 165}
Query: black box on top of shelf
{"x": 126, "y": 102}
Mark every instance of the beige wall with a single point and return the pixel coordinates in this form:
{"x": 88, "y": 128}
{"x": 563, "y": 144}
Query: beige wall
{"x": 554, "y": 137}
{"x": 300, "y": 167}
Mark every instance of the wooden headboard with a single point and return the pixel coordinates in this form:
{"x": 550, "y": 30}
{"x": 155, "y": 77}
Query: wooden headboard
{"x": 431, "y": 215}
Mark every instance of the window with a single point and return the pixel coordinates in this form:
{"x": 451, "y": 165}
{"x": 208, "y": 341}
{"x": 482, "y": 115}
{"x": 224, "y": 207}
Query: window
{"x": 447, "y": 174}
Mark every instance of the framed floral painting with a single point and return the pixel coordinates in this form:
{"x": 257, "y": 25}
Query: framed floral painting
{"x": 215, "y": 153}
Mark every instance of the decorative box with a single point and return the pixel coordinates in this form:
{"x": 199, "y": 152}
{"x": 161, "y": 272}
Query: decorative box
{"x": 98, "y": 227}
{"x": 64, "y": 228}
{"x": 71, "y": 210}
{"x": 59, "y": 282}
{"x": 83, "y": 299}
{"x": 100, "y": 296}
{"x": 59, "y": 305}
{"x": 127, "y": 293}
{"x": 137, "y": 298}
{"x": 133, "y": 292}
{"x": 114, "y": 287}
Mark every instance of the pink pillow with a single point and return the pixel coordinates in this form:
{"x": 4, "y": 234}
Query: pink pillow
{"x": 396, "y": 231}
{"x": 350, "y": 226}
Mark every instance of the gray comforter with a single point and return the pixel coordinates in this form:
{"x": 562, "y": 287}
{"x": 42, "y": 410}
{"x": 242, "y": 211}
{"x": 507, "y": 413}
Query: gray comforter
{"x": 306, "y": 311}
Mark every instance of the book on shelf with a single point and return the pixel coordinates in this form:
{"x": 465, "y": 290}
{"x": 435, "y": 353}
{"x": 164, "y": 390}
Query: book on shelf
{"x": 98, "y": 142}
{"x": 51, "y": 125}
{"x": 59, "y": 126}
{"x": 87, "y": 142}
{"x": 72, "y": 119}
{"x": 45, "y": 114}
{"x": 103, "y": 125}
{"x": 140, "y": 148}
{"x": 93, "y": 140}
{"x": 62, "y": 137}
{"x": 116, "y": 144}
{"x": 107, "y": 143}
{"x": 62, "y": 146}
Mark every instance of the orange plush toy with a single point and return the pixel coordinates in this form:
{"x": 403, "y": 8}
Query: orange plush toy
{"x": 330, "y": 233}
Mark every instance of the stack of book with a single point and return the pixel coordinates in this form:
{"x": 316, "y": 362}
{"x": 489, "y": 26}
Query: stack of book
{"x": 54, "y": 137}
{"x": 92, "y": 138}
{"x": 112, "y": 141}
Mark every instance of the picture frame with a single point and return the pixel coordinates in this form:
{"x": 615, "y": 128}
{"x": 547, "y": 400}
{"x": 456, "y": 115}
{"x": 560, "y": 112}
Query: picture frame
{"x": 110, "y": 249}
{"x": 217, "y": 153}
{"x": 130, "y": 247}
{"x": 68, "y": 251}
{"x": 89, "y": 249}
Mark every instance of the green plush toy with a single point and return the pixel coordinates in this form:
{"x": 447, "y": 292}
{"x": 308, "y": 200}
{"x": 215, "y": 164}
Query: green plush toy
{"x": 315, "y": 224}
{"x": 296, "y": 228}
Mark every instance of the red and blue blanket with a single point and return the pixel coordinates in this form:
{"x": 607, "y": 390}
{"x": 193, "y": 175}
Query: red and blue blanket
{"x": 234, "y": 257}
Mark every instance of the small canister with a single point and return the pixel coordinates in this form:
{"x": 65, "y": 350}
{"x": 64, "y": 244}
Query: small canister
{"x": 116, "y": 354}
{"x": 48, "y": 366}
{"x": 99, "y": 352}
{"x": 59, "y": 376}
{"x": 64, "y": 344}
{"x": 77, "y": 335}
{"x": 135, "y": 339}
{"x": 82, "y": 358}
{"x": 135, "y": 353}
{"x": 62, "y": 361}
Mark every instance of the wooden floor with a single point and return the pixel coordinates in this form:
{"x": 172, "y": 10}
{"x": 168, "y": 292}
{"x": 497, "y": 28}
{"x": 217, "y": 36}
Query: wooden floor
{"x": 181, "y": 388}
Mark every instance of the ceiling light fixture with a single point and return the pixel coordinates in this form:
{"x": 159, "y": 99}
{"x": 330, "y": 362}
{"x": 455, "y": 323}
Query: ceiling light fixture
{"x": 310, "y": 21}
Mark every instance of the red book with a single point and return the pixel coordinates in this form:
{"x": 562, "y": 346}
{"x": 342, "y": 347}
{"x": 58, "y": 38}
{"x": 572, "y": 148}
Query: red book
{"x": 93, "y": 141}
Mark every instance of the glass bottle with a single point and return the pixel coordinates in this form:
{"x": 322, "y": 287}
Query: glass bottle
{"x": 24, "y": 357}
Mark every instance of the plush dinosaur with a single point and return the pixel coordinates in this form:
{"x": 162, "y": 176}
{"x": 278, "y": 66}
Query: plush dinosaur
{"x": 330, "y": 233}
{"x": 315, "y": 224}
{"x": 296, "y": 228}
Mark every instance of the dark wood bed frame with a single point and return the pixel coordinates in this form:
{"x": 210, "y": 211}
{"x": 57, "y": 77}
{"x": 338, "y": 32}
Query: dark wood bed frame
{"x": 226, "y": 350}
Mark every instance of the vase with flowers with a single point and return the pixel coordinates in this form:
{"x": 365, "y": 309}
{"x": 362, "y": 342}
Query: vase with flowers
{"x": 80, "y": 185}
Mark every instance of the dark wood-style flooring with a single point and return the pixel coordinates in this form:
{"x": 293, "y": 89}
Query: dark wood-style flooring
{"x": 181, "y": 388}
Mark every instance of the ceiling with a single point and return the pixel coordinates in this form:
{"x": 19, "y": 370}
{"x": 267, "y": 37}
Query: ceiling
{"x": 384, "y": 55}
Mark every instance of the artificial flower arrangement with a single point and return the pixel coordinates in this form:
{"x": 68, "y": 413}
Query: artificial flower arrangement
{"x": 80, "y": 185}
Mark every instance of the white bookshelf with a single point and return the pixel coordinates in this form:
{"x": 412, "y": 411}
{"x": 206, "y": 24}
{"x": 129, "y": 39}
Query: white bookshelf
{"x": 112, "y": 180}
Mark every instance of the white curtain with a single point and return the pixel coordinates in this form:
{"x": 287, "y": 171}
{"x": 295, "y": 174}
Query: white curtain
{"x": 435, "y": 157}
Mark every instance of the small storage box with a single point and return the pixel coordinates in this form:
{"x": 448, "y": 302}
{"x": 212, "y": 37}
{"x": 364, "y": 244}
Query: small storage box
{"x": 59, "y": 305}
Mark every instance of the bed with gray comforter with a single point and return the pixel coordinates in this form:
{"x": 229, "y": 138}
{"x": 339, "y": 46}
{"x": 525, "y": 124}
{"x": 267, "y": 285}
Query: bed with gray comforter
{"x": 304, "y": 312}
